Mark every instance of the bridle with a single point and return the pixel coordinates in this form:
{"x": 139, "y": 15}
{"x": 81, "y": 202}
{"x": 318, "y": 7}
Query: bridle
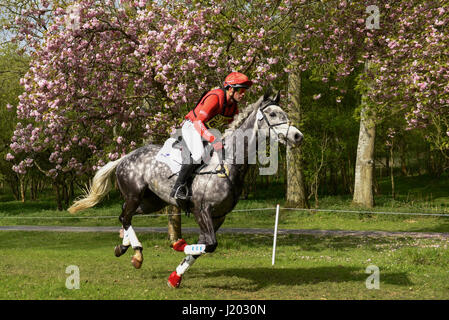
{"x": 262, "y": 116}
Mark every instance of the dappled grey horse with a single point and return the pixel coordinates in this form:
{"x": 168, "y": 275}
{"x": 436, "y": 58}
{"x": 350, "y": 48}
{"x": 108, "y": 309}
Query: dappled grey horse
{"x": 145, "y": 183}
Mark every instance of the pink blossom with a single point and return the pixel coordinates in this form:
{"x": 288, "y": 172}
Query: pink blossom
{"x": 422, "y": 85}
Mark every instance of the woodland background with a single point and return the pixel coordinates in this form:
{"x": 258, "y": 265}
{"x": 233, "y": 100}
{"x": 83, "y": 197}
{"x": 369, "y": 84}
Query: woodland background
{"x": 367, "y": 82}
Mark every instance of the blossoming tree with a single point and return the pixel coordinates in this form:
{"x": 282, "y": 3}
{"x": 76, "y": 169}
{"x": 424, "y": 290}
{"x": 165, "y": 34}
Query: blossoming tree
{"x": 105, "y": 76}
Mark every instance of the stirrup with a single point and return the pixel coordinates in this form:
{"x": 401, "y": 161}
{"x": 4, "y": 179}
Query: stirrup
{"x": 182, "y": 196}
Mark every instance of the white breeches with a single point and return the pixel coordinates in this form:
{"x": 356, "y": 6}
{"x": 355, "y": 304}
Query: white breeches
{"x": 193, "y": 140}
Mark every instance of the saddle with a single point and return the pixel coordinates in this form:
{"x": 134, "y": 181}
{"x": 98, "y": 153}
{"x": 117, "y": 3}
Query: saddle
{"x": 175, "y": 152}
{"x": 172, "y": 157}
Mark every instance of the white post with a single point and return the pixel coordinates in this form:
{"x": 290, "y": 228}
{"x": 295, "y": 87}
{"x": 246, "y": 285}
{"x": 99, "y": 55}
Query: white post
{"x": 275, "y": 234}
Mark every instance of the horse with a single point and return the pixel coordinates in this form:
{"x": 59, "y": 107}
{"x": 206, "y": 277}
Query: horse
{"x": 145, "y": 183}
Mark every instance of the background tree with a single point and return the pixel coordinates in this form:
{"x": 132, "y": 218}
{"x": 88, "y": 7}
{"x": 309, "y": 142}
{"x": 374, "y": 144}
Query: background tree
{"x": 12, "y": 67}
{"x": 118, "y": 74}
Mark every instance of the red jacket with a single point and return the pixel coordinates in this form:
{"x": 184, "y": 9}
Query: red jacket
{"x": 212, "y": 105}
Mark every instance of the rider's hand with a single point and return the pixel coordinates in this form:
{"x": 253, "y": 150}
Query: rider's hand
{"x": 217, "y": 145}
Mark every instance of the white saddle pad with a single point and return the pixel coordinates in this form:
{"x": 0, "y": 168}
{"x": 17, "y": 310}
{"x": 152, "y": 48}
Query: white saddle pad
{"x": 170, "y": 156}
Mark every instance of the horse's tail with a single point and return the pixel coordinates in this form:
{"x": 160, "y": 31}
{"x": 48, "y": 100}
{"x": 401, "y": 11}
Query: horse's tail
{"x": 100, "y": 186}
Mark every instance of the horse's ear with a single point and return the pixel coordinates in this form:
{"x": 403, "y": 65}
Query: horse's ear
{"x": 267, "y": 94}
{"x": 278, "y": 97}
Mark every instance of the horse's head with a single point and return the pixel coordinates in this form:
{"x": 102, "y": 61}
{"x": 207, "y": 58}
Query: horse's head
{"x": 274, "y": 122}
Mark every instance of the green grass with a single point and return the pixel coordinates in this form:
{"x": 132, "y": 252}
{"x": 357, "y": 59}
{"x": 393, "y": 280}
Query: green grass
{"x": 33, "y": 266}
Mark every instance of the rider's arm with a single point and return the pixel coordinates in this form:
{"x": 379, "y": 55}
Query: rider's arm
{"x": 206, "y": 111}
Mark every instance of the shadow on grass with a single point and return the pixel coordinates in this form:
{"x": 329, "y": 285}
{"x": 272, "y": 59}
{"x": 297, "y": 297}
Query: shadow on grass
{"x": 47, "y": 202}
{"x": 264, "y": 277}
{"x": 443, "y": 227}
{"x": 314, "y": 243}
{"x": 13, "y": 208}
{"x": 418, "y": 187}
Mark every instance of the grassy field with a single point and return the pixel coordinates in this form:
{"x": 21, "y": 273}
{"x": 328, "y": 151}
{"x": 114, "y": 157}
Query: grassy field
{"x": 33, "y": 266}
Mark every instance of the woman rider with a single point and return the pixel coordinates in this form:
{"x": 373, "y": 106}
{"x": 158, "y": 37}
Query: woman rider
{"x": 216, "y": 106}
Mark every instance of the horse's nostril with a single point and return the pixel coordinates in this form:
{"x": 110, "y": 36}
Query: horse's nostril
{"x": 297, "y": 136}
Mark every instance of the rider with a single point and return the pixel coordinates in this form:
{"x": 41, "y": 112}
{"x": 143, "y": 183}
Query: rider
{"x": 219, "y": 106}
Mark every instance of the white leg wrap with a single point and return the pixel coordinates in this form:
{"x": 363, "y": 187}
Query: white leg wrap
{"x": 195, "y": 249}
{"x": 133, "y": 238}
{"x": 185, "y": 265}
{"x": 125, "y": 241}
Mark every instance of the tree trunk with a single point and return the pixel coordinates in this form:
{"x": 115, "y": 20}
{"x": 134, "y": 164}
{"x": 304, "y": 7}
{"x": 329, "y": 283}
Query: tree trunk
{"x": 393, "y": 193}
{"x": 364, "y": 167}
{"x": 13, "y": 182}
{"x": 403, "y": 158}
{"x": 296, "y": 190}
{"x": 333, "y": 179}
{"x": 351, "y": 177}
{"x": 22, "y": 188}
{"x": 58, "y": 195}
{"x": 344, "y": 176}
{"x": 174, "y": 223}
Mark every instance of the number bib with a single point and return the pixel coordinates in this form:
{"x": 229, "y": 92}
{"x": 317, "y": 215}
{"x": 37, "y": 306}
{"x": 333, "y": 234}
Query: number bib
{"x": 219, "y": 122}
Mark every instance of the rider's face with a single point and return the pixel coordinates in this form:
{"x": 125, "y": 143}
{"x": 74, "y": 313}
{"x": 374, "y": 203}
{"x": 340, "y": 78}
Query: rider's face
{"x": 239, "y": 94}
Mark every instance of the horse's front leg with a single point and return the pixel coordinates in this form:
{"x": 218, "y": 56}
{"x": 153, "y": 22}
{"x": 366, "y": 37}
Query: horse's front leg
{"x": 207, "y": 243}
{"x": 174, "y": 280}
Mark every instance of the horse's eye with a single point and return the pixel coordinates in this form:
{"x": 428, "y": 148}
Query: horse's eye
{"x": 272, "y": 114}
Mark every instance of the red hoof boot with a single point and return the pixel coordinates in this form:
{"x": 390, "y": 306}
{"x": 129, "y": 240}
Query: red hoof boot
{"x": 174, "y": 280}
{"x": 179, "y": 245}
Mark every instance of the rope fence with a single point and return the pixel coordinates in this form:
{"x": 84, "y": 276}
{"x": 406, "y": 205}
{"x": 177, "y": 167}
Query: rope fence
{"x": 241, "y": 210}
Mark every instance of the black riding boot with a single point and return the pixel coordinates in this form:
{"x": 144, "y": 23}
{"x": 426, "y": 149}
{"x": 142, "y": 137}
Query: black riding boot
{"x": 180, "y": 189}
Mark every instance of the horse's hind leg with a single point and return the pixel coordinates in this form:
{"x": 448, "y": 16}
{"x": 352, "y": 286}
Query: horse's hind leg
{"x": 129, "y": 235}
{"x": 121, "y": 249}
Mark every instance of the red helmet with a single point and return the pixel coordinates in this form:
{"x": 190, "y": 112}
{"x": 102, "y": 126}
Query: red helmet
{"x": 237, "y": 80}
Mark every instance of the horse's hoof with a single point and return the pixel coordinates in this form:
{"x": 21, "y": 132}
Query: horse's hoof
{"x": 174, "y": 280}
{"x": 136, "y": 263}
{"x": 137, "y": 258}
{"x": 120, "y": 250}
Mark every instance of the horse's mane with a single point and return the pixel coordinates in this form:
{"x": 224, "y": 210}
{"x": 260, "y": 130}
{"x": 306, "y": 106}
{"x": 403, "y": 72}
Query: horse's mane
{"x": 241, "y": 117}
